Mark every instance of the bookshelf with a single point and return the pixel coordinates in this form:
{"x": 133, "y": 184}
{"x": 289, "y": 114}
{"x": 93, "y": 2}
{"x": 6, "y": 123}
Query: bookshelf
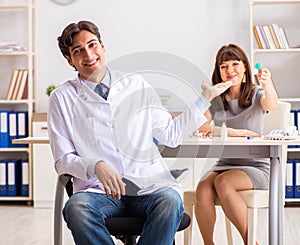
{"x": 284, "y": 61}
{"x": 18, "y": 51}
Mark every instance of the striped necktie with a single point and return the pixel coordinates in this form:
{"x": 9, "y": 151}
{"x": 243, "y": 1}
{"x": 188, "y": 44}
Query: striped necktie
{"x": 102, "y": 90}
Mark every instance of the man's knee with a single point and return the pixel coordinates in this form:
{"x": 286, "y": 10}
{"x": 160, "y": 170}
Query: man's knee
{"x": 169, "y": 199}
{"x": 77, "y": 208}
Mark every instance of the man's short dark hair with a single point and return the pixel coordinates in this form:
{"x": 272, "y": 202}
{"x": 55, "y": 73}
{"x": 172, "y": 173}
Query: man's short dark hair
{"x": 66, "y": 39}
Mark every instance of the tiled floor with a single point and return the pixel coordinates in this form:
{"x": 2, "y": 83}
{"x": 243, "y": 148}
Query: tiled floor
{"x": 32, "y": 226}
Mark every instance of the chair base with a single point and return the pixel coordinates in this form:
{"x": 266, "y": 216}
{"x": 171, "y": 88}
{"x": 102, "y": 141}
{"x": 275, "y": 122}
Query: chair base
{"x": 133, "y": 226}
{"x": 127, "y": 240}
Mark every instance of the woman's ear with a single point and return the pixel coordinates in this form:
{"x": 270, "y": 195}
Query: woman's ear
{"x": 103, "y": 47}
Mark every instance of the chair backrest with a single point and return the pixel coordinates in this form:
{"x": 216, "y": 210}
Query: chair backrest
{"x": 278, "y": 118}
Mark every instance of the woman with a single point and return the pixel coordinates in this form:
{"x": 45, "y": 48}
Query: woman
{"x": 242, "y": 108}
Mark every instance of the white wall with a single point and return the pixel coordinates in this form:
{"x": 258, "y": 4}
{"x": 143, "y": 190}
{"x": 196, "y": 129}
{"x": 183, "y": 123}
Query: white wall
{"x": 191, "y": 29}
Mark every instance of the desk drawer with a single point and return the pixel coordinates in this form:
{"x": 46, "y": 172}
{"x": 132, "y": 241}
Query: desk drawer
{"x": 40, "y": 129}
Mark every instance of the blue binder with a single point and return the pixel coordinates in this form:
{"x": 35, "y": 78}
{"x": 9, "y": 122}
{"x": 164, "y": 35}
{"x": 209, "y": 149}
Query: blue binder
{"x": 297, "y": 119}
{"x": 13, "y": 177}
{"x": 298, "y": 123}
{"x": 295, "y": 114}
{"x": 25, "y": 178}
{"x": 3, "y": 178}
{"x": 12, "y": 131}
{"x": 293, "y": 122}
{"x": 22, "y": 126}
{"x": 297, "y": 179}
{"x": 289, "y": 187}
{"x": 4, "y": 125}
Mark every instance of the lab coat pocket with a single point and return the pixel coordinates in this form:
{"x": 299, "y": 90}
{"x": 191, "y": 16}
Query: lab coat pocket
{"x": 84, "y": 132}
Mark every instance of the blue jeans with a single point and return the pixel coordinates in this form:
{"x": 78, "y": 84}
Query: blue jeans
{"x": 85, "y": 214}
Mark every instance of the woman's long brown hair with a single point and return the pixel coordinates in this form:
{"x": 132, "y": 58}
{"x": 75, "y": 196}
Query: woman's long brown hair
{"x": 234, "y": 52}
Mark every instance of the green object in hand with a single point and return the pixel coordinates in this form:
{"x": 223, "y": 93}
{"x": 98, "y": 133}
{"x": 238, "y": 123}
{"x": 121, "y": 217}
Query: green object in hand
{"x": 258, "y": 66}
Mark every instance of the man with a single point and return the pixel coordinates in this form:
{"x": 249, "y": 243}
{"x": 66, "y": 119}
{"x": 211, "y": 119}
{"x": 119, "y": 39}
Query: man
{"x": 105, "y": 142}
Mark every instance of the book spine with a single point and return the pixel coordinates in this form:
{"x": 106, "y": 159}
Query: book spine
{"x": 279, "y": 38}
{"x": 259, "y": 44}
{"x": 12, "y": 85}
{"x": 272, "y": 30}
{"x": 284, "y": 38}
{"x": 269, "y": 37}
{"x": 264, "y": 37}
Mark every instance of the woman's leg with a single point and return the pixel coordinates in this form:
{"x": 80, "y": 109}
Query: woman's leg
{"x": 205, "y": 211}
{"x": 226, "y": 185}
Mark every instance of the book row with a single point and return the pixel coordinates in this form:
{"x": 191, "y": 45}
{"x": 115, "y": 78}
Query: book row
{"x": 11, "y": 46}
{"x": 270, "y": 37}
{"x": 292, "y": 188}
{"x": 13, "y": 125}
{"x": 14, "y": 177}
{"x": 18, "y": 86}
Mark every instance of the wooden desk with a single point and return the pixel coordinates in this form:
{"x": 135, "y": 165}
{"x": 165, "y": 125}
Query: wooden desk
{"x": 32, "y": 140}
{"x": 234, "y": 148}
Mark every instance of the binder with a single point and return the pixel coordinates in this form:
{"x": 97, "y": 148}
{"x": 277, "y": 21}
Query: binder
{"x": 298, "y": 120}
{"x": 25, "y": 178}
{"x": 12, "y": 177}
{"x": 12, "y": 130}
{"x": 4, "y": 142}
{"x": 22, "y": 126}
{"x": 293, "y": 122}
{"x": 3, "y": 178}
{"x": 289, "y": 187}
{"x": 297, "y": 179}
{"x": 293, "y": 118}
{"x": 297, "y": 123}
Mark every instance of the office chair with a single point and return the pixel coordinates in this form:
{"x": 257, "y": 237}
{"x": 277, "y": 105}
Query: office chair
{"x": 254, "y": 199}
{"x": 127, "y": 229}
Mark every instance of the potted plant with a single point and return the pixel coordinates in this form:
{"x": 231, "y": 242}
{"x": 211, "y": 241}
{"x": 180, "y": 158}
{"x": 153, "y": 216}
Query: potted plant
{"x": 49, "y": 89}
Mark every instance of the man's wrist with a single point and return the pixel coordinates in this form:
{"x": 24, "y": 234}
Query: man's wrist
{"x": 97, "y": 165}
{"x": 91, "y": 169}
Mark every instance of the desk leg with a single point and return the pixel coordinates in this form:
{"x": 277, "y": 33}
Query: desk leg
{"x": 280, "y": 205}
{"x": 275, "y": 203}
